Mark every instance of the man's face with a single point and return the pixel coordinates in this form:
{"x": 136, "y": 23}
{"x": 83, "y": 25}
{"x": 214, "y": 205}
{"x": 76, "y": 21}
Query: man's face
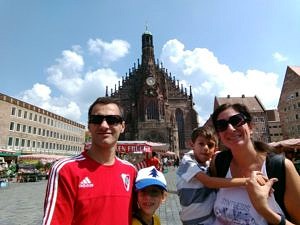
{"x": 105, "y": 134}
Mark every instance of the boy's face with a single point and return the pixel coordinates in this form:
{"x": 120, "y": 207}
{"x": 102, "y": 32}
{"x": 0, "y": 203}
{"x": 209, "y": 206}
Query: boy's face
{"x": 149, "y": 199}
{"x": 203, "y": 149}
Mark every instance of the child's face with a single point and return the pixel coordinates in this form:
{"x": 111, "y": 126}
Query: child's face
{"x": 203, "y": 149}
{"x": 149, "y": 199}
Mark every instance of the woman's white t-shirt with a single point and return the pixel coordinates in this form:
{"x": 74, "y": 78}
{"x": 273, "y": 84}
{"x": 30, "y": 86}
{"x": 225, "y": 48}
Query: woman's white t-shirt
{"x": 233, "y": 206}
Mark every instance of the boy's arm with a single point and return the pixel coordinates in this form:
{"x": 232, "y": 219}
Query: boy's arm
{"x": 217, "y": 182}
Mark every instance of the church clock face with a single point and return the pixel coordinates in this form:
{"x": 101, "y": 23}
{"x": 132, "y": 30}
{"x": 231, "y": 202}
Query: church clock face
{"x": 150, "y": 81}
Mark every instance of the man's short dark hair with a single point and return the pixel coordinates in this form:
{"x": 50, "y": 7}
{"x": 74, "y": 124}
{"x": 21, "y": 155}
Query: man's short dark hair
{"x": 105, "y": 101}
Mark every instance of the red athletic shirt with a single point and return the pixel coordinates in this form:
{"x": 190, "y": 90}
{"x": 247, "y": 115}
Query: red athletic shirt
{"x": 81, "y": 191}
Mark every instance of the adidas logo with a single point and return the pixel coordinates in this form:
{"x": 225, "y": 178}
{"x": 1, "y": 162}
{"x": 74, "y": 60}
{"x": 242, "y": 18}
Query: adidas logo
{"x": 86, "y": 183}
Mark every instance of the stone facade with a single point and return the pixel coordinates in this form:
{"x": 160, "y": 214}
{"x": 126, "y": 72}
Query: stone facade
{"x": 28, "y": 129}
{"x": 289, "y": 103}
{"x": 156, "y": 107}
{"x": 274, "y": 125}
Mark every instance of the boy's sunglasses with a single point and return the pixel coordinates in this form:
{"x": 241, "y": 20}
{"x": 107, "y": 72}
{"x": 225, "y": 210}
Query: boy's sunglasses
{"x": 110, "y": 119}
{"x": 235, "y": 120}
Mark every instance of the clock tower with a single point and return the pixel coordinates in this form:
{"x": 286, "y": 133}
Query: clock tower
{"x": 156, "y": 108}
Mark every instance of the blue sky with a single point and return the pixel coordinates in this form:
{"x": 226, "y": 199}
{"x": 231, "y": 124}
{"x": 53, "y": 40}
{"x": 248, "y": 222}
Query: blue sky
{"x": 60, "y": 55}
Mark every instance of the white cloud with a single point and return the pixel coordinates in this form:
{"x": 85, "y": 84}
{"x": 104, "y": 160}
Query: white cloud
{"x": 77, "y": 87}
{"x": 209, "y": 78}
{"x": 108, "y": 52}
{"x": 40, "y": 95}
{"x": 279, "y": 57}
{"x": 199, "y": 67}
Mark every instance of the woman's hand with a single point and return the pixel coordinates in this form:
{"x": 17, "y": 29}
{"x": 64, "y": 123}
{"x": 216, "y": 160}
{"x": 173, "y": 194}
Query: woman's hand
{"x": 259, "y": 189}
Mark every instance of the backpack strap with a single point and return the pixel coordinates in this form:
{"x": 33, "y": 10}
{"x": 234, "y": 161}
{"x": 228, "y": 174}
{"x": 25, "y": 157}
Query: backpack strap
{"x": 222, "y": 162}
{"x": 275, "y": 165}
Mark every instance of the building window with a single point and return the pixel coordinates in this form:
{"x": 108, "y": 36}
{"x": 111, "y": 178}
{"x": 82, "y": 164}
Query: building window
{"x": 33, "y": 144}
{"x": 13, "y": 111}
{"x": 17, "y": 142}
{"x": 152, "y": 110}
{"x": 25, "y": 115}
{"x": 28, "y": 143}
{"x": 10, "y": 141}
{"x": 19, "y": 113}
{"x": 18, "y": 127}
{"x": 12, "y": 126}
{"x": 22, "y": 142}
{"x": 30, "y": 116}
{"x": 24, "y": 128}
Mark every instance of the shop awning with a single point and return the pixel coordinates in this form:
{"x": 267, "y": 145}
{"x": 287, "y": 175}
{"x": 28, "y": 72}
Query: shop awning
{"x": 135, "y": 147}
{"x": 287, "y": 144}
{"x": 41, "y": 157}
{"x": 141, "y": 146}
{"x": 6, "y": 152}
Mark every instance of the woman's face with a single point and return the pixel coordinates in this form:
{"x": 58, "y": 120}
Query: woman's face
{"x": 238, "y": 132}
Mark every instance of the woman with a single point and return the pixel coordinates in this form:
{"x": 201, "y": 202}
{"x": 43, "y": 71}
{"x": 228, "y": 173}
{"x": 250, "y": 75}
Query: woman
{"x": 250, "y": 205}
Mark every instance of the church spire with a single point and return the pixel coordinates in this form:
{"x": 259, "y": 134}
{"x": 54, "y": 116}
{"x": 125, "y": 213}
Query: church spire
{"x": 147, "y": 49}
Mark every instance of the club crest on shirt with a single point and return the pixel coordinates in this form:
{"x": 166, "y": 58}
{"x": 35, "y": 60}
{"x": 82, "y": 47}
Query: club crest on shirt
{"x": 126, "y": 181}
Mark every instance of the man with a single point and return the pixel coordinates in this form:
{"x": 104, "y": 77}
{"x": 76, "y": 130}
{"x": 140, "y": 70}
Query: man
{"x": 94, "y": 187}
{"x": 154, "y": 161}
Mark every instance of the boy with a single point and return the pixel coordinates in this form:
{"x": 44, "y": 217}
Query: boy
{"x": 193, "y": 182}
{"x": 151, "y": 188}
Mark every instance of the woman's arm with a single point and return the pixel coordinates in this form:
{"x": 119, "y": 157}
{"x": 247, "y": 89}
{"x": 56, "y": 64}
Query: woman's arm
{"x": 259, "y": 195}
{"x": 292, "y": 191}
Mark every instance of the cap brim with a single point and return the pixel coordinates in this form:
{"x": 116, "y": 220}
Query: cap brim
{"x": 149, "y": 182}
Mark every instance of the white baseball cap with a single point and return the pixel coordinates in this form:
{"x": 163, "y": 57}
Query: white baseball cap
{"x": 150, "y": 176}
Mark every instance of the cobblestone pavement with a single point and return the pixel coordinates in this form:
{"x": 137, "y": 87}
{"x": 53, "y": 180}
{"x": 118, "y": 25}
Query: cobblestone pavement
{"x": 169, "y": 210}
{"x": 22, "y": 203}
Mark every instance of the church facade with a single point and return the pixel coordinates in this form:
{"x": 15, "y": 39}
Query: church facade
{"x": 156, "y": 107}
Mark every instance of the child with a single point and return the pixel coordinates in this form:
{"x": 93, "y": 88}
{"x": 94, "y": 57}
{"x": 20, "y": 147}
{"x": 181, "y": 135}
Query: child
{"x": 193, "y": 182}
{"x": 151, "y": 188}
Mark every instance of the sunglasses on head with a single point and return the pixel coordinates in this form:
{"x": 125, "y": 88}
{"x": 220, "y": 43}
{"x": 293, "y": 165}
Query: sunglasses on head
{"x": 110, "y": 119}
{"x": 235, "y": 120}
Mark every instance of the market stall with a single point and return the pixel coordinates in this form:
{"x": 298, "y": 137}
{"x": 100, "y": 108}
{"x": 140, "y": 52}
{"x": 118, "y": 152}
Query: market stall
{"x": 35, "y": 167}
{"x": 291, "y": 149}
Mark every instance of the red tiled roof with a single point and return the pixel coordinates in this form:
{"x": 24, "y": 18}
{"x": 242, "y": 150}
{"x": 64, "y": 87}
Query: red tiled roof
{"x": 253, "y": 103}
{"x": 296, "y": 69}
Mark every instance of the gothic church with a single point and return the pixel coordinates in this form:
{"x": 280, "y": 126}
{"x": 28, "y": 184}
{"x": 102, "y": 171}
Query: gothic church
{"x": 156, "y": 108}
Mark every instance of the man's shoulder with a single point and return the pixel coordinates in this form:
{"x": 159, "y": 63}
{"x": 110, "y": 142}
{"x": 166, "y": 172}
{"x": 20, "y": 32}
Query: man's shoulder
{"x": 67, "y": 164}
{"x": 125, "y": 163}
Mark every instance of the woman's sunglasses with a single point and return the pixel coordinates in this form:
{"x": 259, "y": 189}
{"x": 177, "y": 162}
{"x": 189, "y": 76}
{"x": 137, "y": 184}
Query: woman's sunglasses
{"x": 235, "y": 120}
{"x": 110, "y": 119}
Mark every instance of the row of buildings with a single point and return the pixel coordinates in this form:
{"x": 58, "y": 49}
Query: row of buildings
{"x": 156, "y": 109}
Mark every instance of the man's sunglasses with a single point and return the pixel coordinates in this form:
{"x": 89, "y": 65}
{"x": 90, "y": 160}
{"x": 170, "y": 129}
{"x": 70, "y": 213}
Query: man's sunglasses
{"x": 110, "y": 119}
{"x": 235, "y": 120}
